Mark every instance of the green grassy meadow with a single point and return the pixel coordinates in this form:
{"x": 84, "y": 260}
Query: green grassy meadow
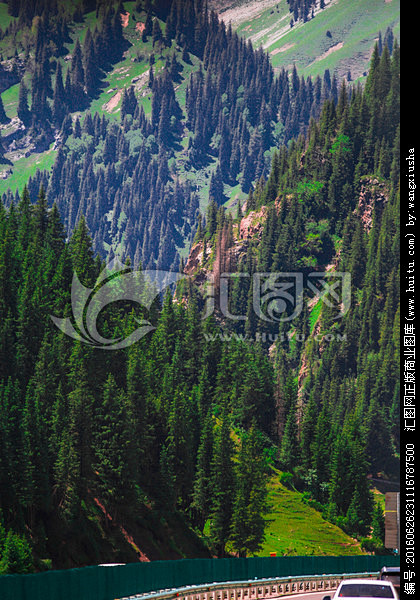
{"x": 296, "y": 529}
{"x": 353, "y": 28}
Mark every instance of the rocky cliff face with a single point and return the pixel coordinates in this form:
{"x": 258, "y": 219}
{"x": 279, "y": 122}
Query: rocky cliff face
{"x": 248, "y": 228}
{"x": 373, "y": 195}
{"x": 252, "y": 225}
{"x": 196, "y": 258}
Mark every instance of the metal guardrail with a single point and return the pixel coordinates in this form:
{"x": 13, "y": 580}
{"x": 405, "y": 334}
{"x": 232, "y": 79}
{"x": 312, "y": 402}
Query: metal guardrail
{"x": 252, "y": 590}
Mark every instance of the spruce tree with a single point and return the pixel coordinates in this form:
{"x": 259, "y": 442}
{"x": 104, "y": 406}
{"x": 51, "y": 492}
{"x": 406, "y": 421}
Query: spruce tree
{"x": 223, "y": 487}
{"x": 59, "y": 107}
{"x": 3, "y": 117}
{"x": 23, "y": 108}
{"x": 248, "y": 523}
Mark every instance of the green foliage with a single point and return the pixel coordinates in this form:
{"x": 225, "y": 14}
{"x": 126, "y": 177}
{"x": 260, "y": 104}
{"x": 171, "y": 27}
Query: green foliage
{"x": 223, "y": 491}
{"x": 250, "y": 505}
{"x": 153, "y": 429}
{"x": 286, "y": 479}
{"x": 346, "y": 393}
{"x": 15, "y": 555}
{"x": 306, "y": 190}
{"x": 341, "y": 144}
{"x": 373, "y": 545}
{"x": 125, "y": 428}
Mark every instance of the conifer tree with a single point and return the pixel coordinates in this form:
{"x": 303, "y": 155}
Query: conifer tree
{"x": 77, "y": 78}
{"x": 82, "y": 253}
{"x": 3, "y": 117}
{"x": 289, "y": 449}
{"x": 202, "y": 495}
{"x": 23, "y": 108}
{"x": 90, "y": 64}
{"x": 59, "y": 107}
{"x": 16, "y": 556}
{"x": 223, "y": 486}
{"x": 248, "y": 523}
{"x": 114, "y": 458}
{"x": 157, "y": 35}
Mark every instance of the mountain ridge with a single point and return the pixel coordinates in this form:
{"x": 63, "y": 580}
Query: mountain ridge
{"x": 175, "y": 437}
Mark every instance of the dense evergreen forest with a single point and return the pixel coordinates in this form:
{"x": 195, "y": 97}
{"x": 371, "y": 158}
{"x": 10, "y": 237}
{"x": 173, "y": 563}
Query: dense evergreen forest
{"x": 184, "y": 426}
{"x": 129, "y": 178}
{"x": 331, "y": 201}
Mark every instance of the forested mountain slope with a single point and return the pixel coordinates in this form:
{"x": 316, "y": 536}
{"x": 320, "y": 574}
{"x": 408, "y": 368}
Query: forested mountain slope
{"x": 330, "y": 204}
{"x": 163, "y": 448}
{"x": 184, "y": 424}
{"x": 104, "y": 113}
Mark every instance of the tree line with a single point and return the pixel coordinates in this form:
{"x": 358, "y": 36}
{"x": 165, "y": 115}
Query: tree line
{"x": 331, "y": 199}
{"x": 181, "y": 422}
{"x": 233, "y": 117}
{"x": 157, "y": 423}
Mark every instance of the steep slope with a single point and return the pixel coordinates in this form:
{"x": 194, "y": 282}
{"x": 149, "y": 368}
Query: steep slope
{"x": 154, "y": 447}
{"x": 338, "y": 37}
{"x": 216, "y": 156}
{"x": 327, "y": 215}
{"x": 296, "y": 529}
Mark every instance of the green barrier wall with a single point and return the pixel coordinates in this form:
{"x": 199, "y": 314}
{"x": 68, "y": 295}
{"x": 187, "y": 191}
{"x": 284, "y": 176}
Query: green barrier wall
{"x": 108, "y": 583}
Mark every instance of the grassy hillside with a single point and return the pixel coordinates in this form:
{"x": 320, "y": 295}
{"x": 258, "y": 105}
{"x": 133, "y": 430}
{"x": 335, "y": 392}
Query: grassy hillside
{"x": 296, "y": 529}
{"x": 133, "y": 69}
{"x": 352, "y": 26}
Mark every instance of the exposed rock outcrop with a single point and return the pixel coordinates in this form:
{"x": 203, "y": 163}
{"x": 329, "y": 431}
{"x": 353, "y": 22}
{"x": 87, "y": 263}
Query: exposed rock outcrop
{"x": 253, "y": 224}
{"x": 373, "y": 196}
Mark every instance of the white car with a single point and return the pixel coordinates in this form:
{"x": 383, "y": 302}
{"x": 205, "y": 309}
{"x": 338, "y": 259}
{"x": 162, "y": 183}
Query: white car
{"x": 364, "y": 589}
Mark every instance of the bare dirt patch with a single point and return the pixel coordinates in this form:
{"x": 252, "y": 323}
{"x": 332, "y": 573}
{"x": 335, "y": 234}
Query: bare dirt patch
{"x": 245, "y": 12}
{"x": 141, "y": 80}
{"x": 125, "y": 17}
{"x": 113, "y": 102}
{"x": 282, "y": 49}
{"x": 140, "y": 27}
{"x": 334, "y": 48}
